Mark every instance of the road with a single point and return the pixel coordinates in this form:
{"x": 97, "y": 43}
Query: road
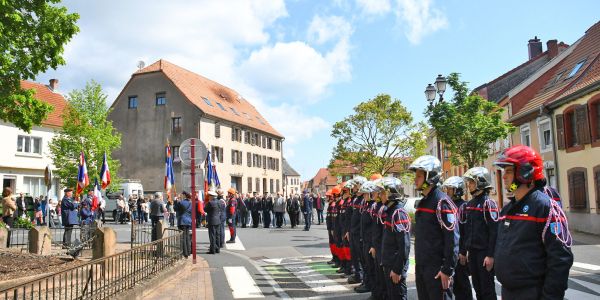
{"x": 290, "y": 263}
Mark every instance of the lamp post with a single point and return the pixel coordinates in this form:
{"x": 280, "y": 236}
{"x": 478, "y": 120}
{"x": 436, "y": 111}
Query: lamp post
{"x": 438, "y": 87}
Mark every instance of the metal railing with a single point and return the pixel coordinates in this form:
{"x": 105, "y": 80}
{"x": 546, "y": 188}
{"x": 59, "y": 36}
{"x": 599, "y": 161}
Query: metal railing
{"x": 105, "y": 277}
{"x": 19, "y": 237}
{"x": 140, "y": 233}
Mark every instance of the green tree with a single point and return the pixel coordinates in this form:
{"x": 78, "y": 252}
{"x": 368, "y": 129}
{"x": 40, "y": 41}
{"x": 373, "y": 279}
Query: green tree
{"x": 85, "y": 127}
{"x": 467, "y": 124}
{"x": 379, "y": 135}
{"x": 32, "y": 38}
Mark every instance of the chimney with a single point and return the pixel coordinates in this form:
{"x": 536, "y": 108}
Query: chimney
{"x": 552, "y": 48}
{"x": 535, "y": 47}
{"x": 53, "y": 85}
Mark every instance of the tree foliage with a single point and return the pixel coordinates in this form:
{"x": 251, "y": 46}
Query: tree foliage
{"x": 378, "y": 136}
{"x": 467, "y": 124}
{"x": 85, "y": 127}
{"x": 32, "y": 39}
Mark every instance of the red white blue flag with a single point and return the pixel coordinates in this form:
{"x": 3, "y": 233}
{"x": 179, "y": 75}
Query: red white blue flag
{"x": 82, "y": 175}
{"x": 96, "y": 197}
{"x": 169, "y": 178}
{"x": 105, "y": 173}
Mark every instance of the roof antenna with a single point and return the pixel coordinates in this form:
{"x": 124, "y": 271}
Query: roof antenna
{"x": 141, "y": 64}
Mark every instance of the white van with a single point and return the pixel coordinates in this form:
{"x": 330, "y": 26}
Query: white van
{"x": 129, "y": 187}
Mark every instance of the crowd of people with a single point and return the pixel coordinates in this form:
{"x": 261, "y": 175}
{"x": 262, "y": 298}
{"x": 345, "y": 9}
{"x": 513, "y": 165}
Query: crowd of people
{"x": 525, "y": 244}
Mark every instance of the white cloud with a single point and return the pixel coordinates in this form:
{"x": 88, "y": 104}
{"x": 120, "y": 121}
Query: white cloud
{"x": 374, "y": 7}
{"x": 419, "y": 18}
{"x": 325, "y": 29}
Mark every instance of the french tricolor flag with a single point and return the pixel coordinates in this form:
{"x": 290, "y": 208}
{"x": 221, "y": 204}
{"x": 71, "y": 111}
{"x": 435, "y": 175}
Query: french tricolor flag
{"x": 169, "y": 178}
{"x": 82, "y": 175}
{"x": 105, "y": 173}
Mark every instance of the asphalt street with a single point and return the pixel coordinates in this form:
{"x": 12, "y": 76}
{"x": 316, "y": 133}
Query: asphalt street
{"x": 271, "y": 263}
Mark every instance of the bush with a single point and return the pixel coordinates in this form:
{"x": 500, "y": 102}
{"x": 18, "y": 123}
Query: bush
{"x": 2, "y": 225}
{"x": 22, "y": 223}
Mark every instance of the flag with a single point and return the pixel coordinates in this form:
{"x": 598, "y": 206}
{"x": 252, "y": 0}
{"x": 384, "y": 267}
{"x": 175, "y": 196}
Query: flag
{"x": 105, "y": 173}
{"x": 97, "y": 196}
{"x": 82, "y": 175}
{"x": 169, "y": 178}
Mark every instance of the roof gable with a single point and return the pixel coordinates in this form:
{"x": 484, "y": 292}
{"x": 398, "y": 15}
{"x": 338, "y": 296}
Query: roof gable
{"x": 211, "y": 97}
{"x": 43, "y": 93}
{"x": 288, "y": 170}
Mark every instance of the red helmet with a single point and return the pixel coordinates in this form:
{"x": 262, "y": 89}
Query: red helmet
{"x": 336, "y": 190}
{"x": 527, "y": 162}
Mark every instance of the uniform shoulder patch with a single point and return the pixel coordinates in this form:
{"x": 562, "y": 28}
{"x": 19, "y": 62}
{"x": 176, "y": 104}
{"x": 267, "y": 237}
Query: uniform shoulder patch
{"x": 525, "y": 208}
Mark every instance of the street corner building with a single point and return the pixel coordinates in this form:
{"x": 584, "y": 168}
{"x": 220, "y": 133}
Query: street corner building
{"x": 165, "y": 102}
{"x": 25, "y": 156}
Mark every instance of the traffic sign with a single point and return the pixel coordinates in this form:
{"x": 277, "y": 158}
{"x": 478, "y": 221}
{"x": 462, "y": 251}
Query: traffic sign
{"x": 185, "y": 152}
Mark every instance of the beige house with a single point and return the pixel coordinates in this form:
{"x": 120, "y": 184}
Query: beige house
{"x": 291, "y": 180}
{"x": 164, "y": 102}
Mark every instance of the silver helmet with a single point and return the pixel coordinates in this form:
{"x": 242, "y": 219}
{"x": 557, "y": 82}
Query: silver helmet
{"x": 430, "y": 165}
{"x": 349, "y": 184}
{"x": 481, "y": 176}
{"x": 457, "y": 183}
{"x": 359, "y": 180}
{"x": 370, "y": 187}
{"x": 393, "y": 184}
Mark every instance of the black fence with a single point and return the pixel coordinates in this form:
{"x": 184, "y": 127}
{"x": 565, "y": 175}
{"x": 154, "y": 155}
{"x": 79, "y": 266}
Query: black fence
{"x": 140, "y": 233}
{"x": 103, "y": 278}
{"x": 19, "y": 237}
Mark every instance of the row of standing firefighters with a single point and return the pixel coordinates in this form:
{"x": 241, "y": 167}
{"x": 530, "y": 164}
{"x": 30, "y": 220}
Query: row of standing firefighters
{"x": 525, "y": 244}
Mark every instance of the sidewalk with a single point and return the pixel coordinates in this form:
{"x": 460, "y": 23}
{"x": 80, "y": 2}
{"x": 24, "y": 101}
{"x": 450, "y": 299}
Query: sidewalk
{"x": 191, "y": 282}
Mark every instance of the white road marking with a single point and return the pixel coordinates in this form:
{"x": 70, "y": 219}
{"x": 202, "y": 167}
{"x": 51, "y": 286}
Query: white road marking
{"x": 586, "y": 266}
{"x": 592, "y": 286}
{"x": 273, "y": 261}
{"x": 233, "y": 246}
{"x": 318, "y": 283}
{"x": 241, "y": 283}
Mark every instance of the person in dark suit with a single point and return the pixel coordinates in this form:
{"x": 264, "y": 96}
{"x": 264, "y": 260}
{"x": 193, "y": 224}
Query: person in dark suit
{"x": 222, "y": 210}
{"x": 213, "y": 220}
{"x": 69, "y": 216}
{"x": 307, "y": 210}
{"x": 267, "y": 206}
{"x": 183, "y": 209}
{"x": 256, "y": 209}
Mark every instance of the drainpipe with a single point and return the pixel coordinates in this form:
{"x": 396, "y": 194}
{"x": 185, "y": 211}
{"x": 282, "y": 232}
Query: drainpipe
{"x": 545, "y": 111}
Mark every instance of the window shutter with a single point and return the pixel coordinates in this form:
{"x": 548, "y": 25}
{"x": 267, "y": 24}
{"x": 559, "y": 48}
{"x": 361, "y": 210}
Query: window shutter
{"x": 220, "y": 155}
{"x": 249, "y": 159}
{"x": 583, "y": 124}
{"x": 597, "y": 183}
{"x": 217, "y": 130}
{"x": 240, "y": 156}
{"x": 560, "y": 132}
{"x": 577, "y": 189}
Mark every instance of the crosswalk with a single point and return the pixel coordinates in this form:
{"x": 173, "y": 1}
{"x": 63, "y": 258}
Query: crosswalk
{"x": 310, "y": 277}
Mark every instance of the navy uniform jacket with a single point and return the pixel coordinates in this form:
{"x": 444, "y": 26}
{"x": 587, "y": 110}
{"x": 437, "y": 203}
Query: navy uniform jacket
{"x": 461, "y": 227}
{"x": 481, "y": 230}
{"x": 366, "y": 225}
{"x": 347, "y": 215}
{"x": 183, "y": 209}
{"x": 434, "y": 245}
{"x": 306, "y": 204}
{"x": 213, "y": 212}
{"x": 222, "y": 208}
{"x": 68, "y": 211}
{"x": 395, "y": 245}
{"x": 521, "y": 258}
{"x": 267, "y": 204}
{"x": 355, "y": 217}
{"x": 377, "y": 233}
{"x": 339, "y": 220}
{"x": 329, "y": 219}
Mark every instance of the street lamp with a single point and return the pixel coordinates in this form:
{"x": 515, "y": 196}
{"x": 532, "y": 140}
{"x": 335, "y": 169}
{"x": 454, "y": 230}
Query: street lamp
{"x": 438, "y": 87}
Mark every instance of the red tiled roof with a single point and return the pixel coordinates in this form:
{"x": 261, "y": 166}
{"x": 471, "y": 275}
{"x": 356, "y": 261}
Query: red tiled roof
{"x": 196, "y": 87}
{"x": 321, "y": 174}
{"x": 43, "y": 93}
{"x": 549, "y": 86}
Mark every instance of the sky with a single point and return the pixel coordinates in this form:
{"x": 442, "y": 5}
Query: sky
{"x": 306, "y": 64}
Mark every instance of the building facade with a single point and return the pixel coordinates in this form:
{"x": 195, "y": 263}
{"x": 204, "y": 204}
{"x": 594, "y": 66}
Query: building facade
{"x": 166, "y": 103}
{"x": 26, "y": 155}
{"x": 291, "y": 180}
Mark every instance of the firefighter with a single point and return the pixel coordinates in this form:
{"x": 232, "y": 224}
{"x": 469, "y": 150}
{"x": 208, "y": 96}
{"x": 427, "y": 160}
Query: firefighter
{"x": 454, "y": 187}
{"x": 378, "y": 213}
{"x": 343, "y": 223}
{"x": 481, "y": 229}
{"x": 366, "y": 226}
{"x": 436, "y": 230}
{"x": 395, "y": 241}
{"x": 329, "y": 225}
{"x": 533, "y": 249}
{"x": 231, "y": 209}
{"x": 354, "y": 230}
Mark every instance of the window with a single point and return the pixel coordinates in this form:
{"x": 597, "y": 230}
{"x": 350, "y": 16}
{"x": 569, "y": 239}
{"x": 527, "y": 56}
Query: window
{"x": 264, "y": 141}
{"x": 176, "y": 125}
{"x": 236, "y": 157}
{"x": 175, "y": 153}
{"x": 236, "y": 135}
{"x": 277, "y": 185}
{"x": 576, "y": 68}
{"x": 594, "y": 108}
{"x": 34, "y": 185}
{"x": 161, "y": 99}
{"x": 271, "y": 186}
{"x": 270, "y": 143}
{"x": 249, "y": 160}
{"x": 558, "y": 77}
{"x": 525, "y": 135}
{"x": 545, "y": 135}
{"x": 577, "y": 188}
{"x": 221, "y": 106}
{"x": 257, "y": 185}
{"x": 234, "y": 111}
{"x": 254, "y": 140}
{"x": 132, "y": 102}
{"x": 207, "y": 101}
{"x": 217, "y": 154}
{"x": 249, "y": 184}
{"x": 217, "y": 130}
{"x": 277, "y": 164}
{"x": 264, "y": 161}
{"x": 247, "y": 137}
{"x": 277, "y": 145}
{"x": 551, "y": 177}
{"x": 29, "y": 144}
{"x": 573, "y": 128}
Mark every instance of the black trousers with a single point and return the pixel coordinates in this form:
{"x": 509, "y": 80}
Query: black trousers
{"x": 214, "y": 236}
{"x": 483, "y": 281}
{"x": 155, "y": 220}
{"x": 368, "y": 267}
{"x": 244, "y": 218}
{"x": 429, "y": 288}
{"x": 278, "y": 219}
{"x": 255, "y": 217}
{"x": 307, "y": 220}
{"x": 222, "y": 235}
{"x": 528, "y": 293}
{"x": 394, "y": 290}
{"x": 320, "y": 216}
{"x": 356, "y": 255}
{"x": 67, "y": 235}
{"x": 267, "y": 219}
{"x": 462, "y": 285}
{"x": 8, "y": 220}
{"x": 293, "y": 219}
{"x": 378, "y": 291}
{"x": 186, "y": 240}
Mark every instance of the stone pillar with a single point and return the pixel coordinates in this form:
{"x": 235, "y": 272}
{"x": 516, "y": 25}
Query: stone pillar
{"x": 3, "y": 237}
{"x": 105, "y": 242}
{"x": 39, "y": 240}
